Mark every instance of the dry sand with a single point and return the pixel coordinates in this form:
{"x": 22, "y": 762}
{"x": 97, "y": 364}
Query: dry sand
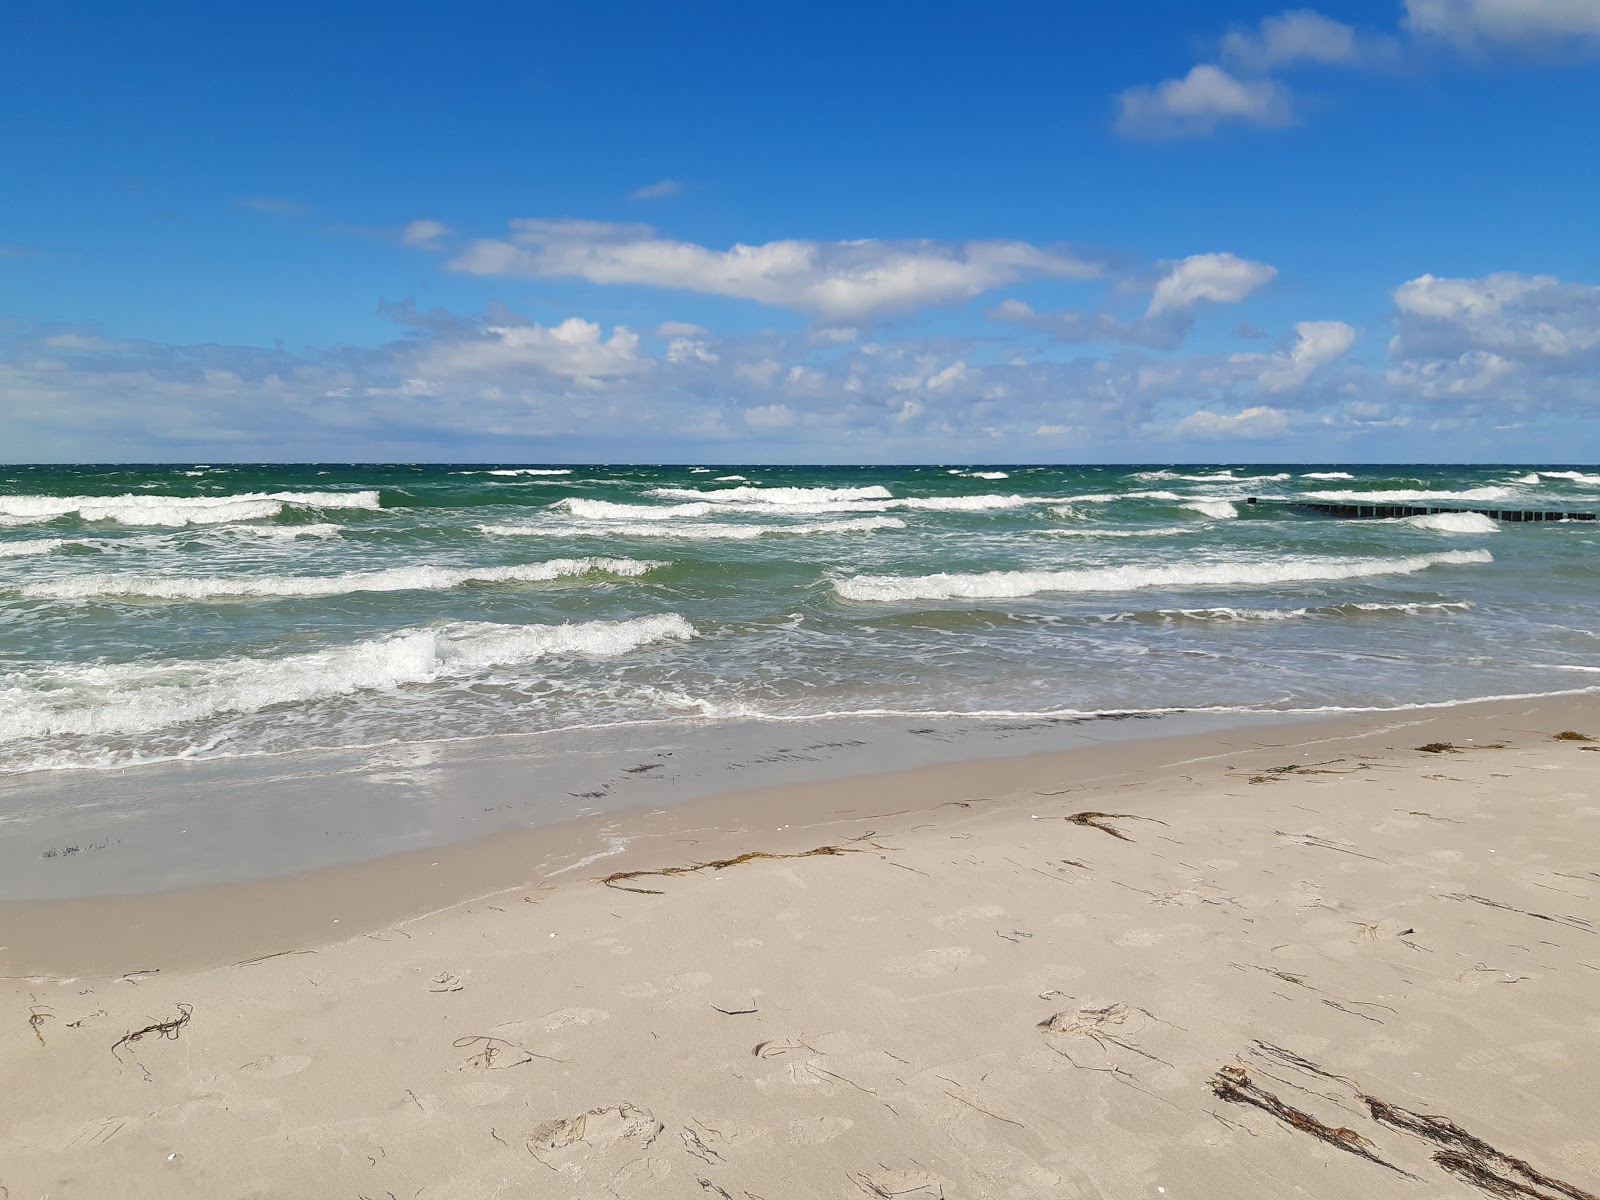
{"x": 1316, "y": 961}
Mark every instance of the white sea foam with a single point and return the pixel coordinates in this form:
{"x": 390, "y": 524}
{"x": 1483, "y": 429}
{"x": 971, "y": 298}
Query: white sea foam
{"x": 38, "y": 546}
{"x": 794, "y": 504}
{"x": 396, "y": 579}
{"x": 1159, "y": 531}
{"x": 704, "y": 530}
{"x": 1572, "y": 476}
{"x": 988, "y": 475}
{"x": 731, "y": 479}
{"x": 606, "y": 510}
{"x": 532, "y": 471}
{"x": 776, "y": 495}
{"x": 133, "y": 698}
{"x": 1451, "y": 522}
{"x": 1015, "y": 584}
{"x": 1217, "y": 510}
{"x": 1406, "y": 495}
{"x": 179, "y": 510}
{"x": 1226, "y": 614}
{"x": 1327, "y": 476}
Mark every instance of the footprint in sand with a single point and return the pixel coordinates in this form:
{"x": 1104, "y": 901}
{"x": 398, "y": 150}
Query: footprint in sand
{"x": 276, "y": 1065}
{"x": 943, "y": 960}
{"x": 563, "y": 1017}
{"x": 602, "y": 1140}
{"x": 813, "y": 1131}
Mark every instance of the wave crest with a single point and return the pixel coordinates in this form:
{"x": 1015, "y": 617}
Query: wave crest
{"x": 993, "y": 585}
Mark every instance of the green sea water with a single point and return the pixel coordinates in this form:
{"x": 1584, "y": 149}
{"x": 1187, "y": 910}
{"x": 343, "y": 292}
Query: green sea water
{"x": 151, "y": 613}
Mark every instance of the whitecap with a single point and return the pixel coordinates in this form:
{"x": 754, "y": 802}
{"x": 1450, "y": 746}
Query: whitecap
{"x": 179, "y": 510}
{"x": 132, "y": 698}
{"x": 38, "y": 546}
{"x": 1016, "y": 584}
{"x": 1454, "y": 522}
{"x": 700, "y": 531}
{"x": 1327, "y": 476}
{"x": 1217, "y": 510}
{"x": 396, "y": 579}
{"x": 1403, "y": 495}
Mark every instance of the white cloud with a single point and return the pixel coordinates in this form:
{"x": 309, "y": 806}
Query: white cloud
{"x": 1524, "y": 317}
{"x": 662, "y": 189}
{"x": 1317, "y": 343}
{"x": 1195, "y": 105}
{"x": 423, "y": 233}
{"x": 573, "y": 349}
{"x": 1261, "y": 421}
{"x": 1516, "y": 339}
{"x": 1472, "y": 24}
{"x": 1218, "y": 278}
{"x": 671, "y": 329}
{"x": 1298, "y": 35}
{"x": 834, "y": 281}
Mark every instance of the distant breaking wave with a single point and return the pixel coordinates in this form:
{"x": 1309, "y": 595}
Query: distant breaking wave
{"x": 397, "y": 579}
{"x": 1402, "y": 495}
{"x": 1452, "y": 522}
{"x": 606, "y": 510}
{"x": 993, "y": 585}
{"x": 37, "y": 546}
{"x": 138, "y": 697}
{"x": 179, "y": 510}
{"x": 706, "y": 530}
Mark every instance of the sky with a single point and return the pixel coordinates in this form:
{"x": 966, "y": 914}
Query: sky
{"x": 869, "y": 232}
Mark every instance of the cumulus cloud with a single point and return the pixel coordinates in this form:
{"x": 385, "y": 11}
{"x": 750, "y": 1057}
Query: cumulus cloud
{"x": 662, "y": 189}
{"x": 1261, "y": 421}
{"x": 1195, "y": 105}
{"x": 1476, "y": 24}
{"x": 573, "y": 349}
{"x": 1317, "y": 343}
{"x": 1296, "y": 36}
{"x": 833, "y": 281}
{"x": 1525, "y": 338}
{"x": 1216, "y": 278}
{"x": 423, "y": 233}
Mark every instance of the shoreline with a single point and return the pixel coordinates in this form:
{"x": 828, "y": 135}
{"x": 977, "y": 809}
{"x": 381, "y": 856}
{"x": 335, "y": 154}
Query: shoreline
{"x": 221, "y": 922}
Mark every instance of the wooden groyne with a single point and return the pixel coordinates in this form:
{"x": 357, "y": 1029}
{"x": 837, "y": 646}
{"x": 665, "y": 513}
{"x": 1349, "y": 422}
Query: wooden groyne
{"x": 1390, "y": 511}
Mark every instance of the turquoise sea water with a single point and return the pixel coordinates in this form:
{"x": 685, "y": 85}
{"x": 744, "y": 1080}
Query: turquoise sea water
{"x": 148, "y": 613}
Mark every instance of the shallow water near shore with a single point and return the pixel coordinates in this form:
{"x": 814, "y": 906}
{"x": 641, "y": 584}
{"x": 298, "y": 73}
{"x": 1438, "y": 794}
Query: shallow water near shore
{"x": 215, "y": 612}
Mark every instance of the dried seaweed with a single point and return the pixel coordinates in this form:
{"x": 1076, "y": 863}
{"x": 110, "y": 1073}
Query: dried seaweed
{"x": 169, "y": 1030}
{"x": 1097, "y": 820}
{"x": 1234, "y": 1085}
{"x": 615, "y": 880}
{"x": 1471, "y": 1158}
{"x": 1570, "y": 922}
{"x": 1571, "y": 735}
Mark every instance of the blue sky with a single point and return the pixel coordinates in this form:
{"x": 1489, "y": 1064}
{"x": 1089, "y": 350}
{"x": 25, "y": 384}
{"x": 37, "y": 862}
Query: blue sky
{"x": 785, "y": 232}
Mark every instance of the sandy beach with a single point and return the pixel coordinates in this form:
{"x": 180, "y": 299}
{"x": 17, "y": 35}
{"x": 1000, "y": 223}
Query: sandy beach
{"x": 1351, "y": 957}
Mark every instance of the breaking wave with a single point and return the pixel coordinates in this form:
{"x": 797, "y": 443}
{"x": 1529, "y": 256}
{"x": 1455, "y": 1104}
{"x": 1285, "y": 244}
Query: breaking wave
{"x": 139, "y": 697}
{"x": 178, "y": 510}
{"x": 397, "y": 579}
{"x": 39, "y": 546}
{"x": 702, "y": 531}
{"x": 1403, "y": 495}
{"x": 1454, "y": 522}
{"x": 992, "y": 585}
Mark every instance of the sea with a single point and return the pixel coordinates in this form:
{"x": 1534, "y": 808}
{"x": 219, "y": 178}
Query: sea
{"x": 197, "y": 612}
